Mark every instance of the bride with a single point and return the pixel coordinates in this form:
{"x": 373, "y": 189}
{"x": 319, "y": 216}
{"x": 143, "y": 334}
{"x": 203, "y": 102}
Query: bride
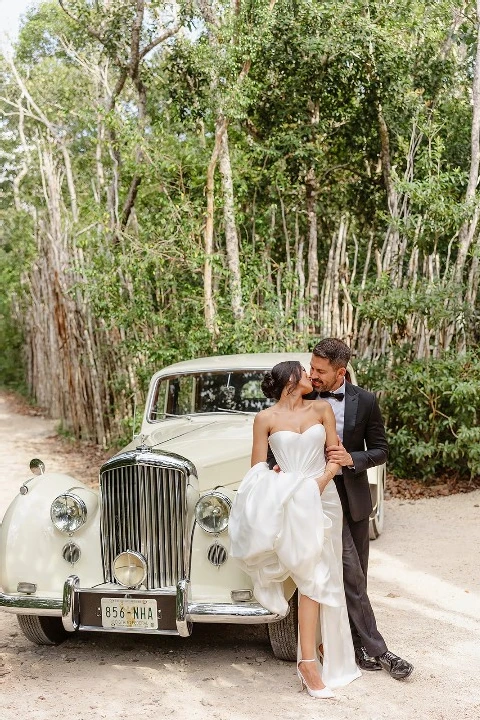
{"x": 289, "y": 524}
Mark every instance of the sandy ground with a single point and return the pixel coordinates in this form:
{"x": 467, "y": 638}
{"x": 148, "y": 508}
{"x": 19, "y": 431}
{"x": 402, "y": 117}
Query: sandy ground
{"x": 424, "y": 585}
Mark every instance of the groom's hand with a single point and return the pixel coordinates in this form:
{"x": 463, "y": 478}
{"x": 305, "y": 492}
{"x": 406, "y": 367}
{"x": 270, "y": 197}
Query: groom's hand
{"x": 338, "y": 454}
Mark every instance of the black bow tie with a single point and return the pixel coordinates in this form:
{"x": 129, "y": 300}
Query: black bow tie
{"x": 337, "y": 396}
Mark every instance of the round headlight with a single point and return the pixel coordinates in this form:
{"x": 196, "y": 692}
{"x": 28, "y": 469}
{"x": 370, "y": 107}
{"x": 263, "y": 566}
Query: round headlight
{"x": 212, "y": 511}
{"x": 68, "y": 512}
{"x": 130, "y": 568}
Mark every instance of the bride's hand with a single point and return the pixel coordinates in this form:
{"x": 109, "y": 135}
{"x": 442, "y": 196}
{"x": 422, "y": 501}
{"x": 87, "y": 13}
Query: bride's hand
{"x": 330, "y": 471}
{"x": 323, "y": 481}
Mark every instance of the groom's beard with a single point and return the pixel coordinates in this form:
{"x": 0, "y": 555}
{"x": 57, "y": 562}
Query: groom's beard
{"x": 319, "y": 386}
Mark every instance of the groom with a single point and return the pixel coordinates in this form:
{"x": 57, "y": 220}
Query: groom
{"x": 363, "y": 444}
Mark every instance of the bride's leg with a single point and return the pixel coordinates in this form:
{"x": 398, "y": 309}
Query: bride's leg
{"x": 308, "y": 611}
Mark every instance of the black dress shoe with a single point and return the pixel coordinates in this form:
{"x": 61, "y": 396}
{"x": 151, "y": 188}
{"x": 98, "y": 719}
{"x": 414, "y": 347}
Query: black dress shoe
{"x": 395, "y": 666}
{"x": 364, "y": 661}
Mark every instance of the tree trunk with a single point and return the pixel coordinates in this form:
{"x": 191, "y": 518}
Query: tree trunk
{"x": 312, "y": 284}
{"x": 231, "y": 235}
{"x": 299, "y": 245}
{"x": 209, "y": 305}
{"x": 468, "y": 229}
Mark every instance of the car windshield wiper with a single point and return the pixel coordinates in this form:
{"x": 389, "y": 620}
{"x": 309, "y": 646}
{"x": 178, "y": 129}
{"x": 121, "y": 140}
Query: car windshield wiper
{"x": 189, "y": 416}
{"x": 237, "y": 412}
{"x": 165, "y": 414}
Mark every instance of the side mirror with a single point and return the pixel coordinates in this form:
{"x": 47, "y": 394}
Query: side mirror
{"x": 37, "y": 466}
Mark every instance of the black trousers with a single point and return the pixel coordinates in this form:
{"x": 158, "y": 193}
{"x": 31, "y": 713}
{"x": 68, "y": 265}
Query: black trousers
{"x": 355, "y": 565}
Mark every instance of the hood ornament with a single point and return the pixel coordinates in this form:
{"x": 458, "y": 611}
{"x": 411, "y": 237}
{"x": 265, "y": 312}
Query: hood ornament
{"x": 142, "y": 439}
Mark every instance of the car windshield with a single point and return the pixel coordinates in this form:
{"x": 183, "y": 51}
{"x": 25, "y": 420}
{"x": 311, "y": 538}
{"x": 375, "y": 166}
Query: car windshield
{"x": 203, "y": 392}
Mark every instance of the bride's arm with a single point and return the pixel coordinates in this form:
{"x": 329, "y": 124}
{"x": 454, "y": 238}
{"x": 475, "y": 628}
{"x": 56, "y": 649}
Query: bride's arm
{"x": 261, "y": 427}
{"x": 328, "y": 420}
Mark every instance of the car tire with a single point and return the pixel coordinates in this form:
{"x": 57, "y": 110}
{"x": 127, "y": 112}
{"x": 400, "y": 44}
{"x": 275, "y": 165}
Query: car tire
{"x": 377, "y": 521}
{"x": 42, "y": 630}
{"x": 283, "y": 634}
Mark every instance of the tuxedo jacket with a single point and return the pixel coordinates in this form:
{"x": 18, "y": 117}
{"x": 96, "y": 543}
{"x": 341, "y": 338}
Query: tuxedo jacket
{"x": 365, "y": 439}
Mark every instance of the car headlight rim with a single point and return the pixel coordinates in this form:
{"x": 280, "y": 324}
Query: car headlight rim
{"x": 130, "y": 569}
{"x": 61, "y": 515}
{"x": 218, "y": 521}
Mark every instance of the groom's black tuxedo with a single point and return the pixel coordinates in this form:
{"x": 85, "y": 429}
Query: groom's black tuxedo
{"x": 365, "y": 439}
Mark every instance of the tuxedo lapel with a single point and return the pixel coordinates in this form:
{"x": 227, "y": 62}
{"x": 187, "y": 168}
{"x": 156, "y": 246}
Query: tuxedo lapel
{"x": 350, "y": 418}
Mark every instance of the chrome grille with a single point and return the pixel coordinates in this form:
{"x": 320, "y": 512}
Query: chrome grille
{"x": 144, "y": 509}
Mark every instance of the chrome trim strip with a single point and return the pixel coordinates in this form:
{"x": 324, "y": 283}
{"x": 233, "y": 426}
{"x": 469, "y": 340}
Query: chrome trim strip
{"x": 241, "y": 613}
{"x": 150, "y": 456}
{"x": 124, "y": 592}
{"x": 184, "y": 627}
{"x": 174, "y": 523}
{"x": 162, "y": 533}
{"x": 188, "y": 543}
{"x": 123, "y": 522}
{"x": 130, "y": 631}
{"x": 31, "y": 602}
{"x": 70, "y": 609}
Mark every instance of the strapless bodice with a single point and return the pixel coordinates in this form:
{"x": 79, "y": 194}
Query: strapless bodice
{"x": 302, "y": 453}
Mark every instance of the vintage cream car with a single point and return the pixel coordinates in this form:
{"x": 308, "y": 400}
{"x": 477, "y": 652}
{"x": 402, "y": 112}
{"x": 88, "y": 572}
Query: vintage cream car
{"x": 149, "y": 552}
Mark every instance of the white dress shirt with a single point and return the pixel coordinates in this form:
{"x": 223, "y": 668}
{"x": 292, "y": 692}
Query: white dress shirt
{"x": 338, "y": 407}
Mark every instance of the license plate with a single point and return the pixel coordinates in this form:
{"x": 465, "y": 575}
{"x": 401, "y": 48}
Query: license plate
{"x": 129, "y": 613}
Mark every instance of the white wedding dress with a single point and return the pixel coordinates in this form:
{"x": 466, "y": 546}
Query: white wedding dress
{"x": 280, "y": 526}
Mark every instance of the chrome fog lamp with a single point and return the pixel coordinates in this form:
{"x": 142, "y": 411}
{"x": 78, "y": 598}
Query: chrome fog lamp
{"x": 68, "y": 513}
{"x": 130, "y": 569}
{"x": 212, "y": 512}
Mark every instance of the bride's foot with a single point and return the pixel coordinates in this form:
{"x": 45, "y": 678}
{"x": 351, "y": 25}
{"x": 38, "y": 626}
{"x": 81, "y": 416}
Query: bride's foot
{"x": 307, "y": 671}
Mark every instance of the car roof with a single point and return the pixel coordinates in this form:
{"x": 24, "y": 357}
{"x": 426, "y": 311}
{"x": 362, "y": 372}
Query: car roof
{"x": 243, "y": 361}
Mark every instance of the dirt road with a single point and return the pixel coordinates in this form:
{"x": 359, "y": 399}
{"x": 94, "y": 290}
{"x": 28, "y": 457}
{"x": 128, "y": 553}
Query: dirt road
{"x": 424, "y": 585}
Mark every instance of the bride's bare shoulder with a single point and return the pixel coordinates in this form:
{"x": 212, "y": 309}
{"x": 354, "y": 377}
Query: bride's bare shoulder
{"x": 319, "y": 407}
{"x": 263, "y": 418}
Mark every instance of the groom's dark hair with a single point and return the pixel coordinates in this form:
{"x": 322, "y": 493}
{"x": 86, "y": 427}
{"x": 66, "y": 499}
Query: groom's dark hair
{"x": 334, "y": 350}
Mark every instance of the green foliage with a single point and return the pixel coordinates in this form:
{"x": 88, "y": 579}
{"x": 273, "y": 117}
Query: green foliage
{"x": 15, "y": 253}
{"x": 432, "y": 414}
{"x": 301, "y": 84}
{"x": 393, "y": 307}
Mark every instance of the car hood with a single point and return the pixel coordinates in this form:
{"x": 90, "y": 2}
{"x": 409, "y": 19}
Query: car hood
{"x": 219, "y": 446}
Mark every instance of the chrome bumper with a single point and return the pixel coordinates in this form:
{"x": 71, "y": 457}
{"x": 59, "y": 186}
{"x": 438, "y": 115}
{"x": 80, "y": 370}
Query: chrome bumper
{"x": 241, "y": 613}
{"x": 186, "y": 612}
{"x": 31, "y": 605}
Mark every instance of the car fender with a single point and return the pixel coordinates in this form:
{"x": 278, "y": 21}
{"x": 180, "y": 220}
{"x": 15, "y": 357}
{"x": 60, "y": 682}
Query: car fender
{"x": 31, "y": 546}
{"x": 209, "y": 583}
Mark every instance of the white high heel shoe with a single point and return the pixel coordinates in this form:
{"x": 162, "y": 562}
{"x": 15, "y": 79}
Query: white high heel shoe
{"x": 324, "y": 693}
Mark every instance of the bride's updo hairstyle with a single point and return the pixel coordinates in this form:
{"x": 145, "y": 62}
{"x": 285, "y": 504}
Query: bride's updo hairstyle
{"x": 288, "y": 372}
